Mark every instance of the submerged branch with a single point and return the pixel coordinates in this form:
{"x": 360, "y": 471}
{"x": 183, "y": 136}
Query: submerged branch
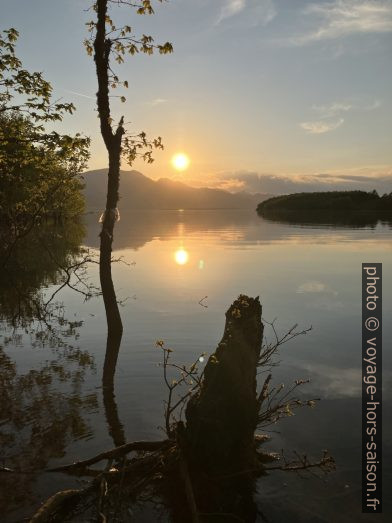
{"x": 135, "y": 446}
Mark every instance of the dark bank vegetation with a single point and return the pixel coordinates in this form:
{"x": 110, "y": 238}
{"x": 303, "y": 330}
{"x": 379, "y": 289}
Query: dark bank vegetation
{"x": 207, "y": 466}
{"x": 40, "y": 194}
{"x": 327, "y": 202}
{"x": 39, "y": 168}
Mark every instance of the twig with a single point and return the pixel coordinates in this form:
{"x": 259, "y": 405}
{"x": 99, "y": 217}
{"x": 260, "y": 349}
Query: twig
{"x": 326, "y": 463}
{"x": 200, "y": 302}
{"x": 137, "y": 446}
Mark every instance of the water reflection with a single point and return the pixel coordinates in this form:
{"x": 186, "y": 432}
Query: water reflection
{"x": 181, "y": 256}
{"x": 304, "y": 273}
{"x": 242, "y": 228}
{"x": 331, "y": 219}
{"x": 115, "y": 427}
{"x": 35, "y": 262}
{"x": 44, "y": 406}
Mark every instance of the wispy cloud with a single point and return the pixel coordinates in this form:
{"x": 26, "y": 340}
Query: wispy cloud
{"x": 158, "y": 101}
{"x": 332, "y": 109}
{"x": 336, "y": 108}
{"x": 259, "y": 12}
{"x": 315, "y": 287}
{"x": 363, "y": 178}
{"x": 331, "y": 115}
{"x": 321, "y": 126}
{"x": 342, "y": 18}
{"x": 263, "y": 12}
{"x": 230, "y": 8}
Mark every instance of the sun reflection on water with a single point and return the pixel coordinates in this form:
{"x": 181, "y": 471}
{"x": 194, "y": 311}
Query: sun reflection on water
{"x": 181, "y": 256}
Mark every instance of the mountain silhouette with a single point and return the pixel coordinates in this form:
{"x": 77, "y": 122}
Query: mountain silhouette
{"x": 140, "y": 192}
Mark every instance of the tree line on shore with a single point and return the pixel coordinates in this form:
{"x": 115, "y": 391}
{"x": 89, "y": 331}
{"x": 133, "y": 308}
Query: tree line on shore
{"x": 330, "y": 201}
{"x": 39, "y": 169}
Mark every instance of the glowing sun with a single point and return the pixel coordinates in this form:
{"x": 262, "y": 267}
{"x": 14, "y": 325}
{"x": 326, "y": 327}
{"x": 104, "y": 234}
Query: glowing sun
{"x": 180, "y": 161}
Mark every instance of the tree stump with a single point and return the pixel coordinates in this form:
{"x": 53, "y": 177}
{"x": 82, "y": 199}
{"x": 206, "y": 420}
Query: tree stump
{"x": 221, "y": 418}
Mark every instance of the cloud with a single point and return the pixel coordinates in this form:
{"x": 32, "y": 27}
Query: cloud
{"x": 336, "y": 108}
{"x": 259, "y": 12}
{"x": 331, "y": 115}
{"x": 365, "y": 179}
{"x": 263, "y": 12}
{"x": 230, "y": 8}
{"x": 315, "y": 287}
{"x": 321, "y": 126}
{"x": 232, "y": 185}
{"x": 342, "y": 18}
{"x": 333, "y": 109}
{"x": 158, "y": 101}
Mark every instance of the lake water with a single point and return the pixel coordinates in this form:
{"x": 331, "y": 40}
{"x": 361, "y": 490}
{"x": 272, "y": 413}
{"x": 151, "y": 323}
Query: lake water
{"x": 183, "y": 269}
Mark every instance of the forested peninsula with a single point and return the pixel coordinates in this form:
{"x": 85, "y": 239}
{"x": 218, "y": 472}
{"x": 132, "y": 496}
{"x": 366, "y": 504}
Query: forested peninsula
{"x": 327, "y": 202}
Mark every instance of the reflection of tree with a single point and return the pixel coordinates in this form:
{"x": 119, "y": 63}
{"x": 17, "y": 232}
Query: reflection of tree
{"x": 333, "y": 219}
{"x": 44, "y": 408}
{"x": 38, "y": 419}
{"x": 46, "y": 256}
{"x": 116, "y": 429}
{"x": 138, "y": 228}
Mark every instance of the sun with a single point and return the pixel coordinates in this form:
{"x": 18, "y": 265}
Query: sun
{"x": 180, "y": 161}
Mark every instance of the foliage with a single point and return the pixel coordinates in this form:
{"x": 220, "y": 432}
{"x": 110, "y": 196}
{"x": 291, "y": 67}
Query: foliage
{"x": 36, "y": 180}
{"x": 108, "y": 41}
{"x": 327, "y": 201}
{"x": 38, "y": 168}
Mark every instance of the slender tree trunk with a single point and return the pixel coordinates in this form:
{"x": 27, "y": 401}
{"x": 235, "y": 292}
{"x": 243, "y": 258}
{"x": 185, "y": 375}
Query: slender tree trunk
{"x": 106, "y": 240}
{"x": 112, "y": 139}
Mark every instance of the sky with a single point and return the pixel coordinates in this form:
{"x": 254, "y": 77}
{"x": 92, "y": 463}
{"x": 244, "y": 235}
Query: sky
{"x": 262, "y": 95}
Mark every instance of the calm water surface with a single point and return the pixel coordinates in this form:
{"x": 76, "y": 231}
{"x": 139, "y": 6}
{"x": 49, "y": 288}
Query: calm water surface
{"x": 182, "y": 271}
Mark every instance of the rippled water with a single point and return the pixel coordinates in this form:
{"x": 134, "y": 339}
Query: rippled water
{"x": 182, "y": 271}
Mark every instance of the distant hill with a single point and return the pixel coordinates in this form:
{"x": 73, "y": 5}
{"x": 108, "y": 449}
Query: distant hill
{"x": 331, "y": 202}
{"x": 140, "y": 192}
